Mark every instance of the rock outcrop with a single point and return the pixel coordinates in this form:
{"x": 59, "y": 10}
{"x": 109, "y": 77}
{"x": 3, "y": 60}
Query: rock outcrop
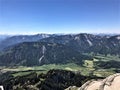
{"x": 110, "y": 83}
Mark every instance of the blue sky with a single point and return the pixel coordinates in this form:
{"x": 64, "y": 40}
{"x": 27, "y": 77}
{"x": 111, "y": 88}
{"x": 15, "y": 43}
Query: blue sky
{"x": 59, "y": 16}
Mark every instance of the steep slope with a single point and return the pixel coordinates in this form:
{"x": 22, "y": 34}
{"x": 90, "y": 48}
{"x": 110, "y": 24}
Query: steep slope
{"x": 22, "y": 38}
{"x": 58, "y": 49}
{"x": 88, "y": 43}
{"x": 38, "y": 53}
{"x": 79, "y": 42}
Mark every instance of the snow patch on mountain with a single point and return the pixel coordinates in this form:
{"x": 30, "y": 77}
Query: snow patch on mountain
{"x": 89, "y": 42}
{"x": 77, "y": 38}
{"x": 41, "y": 58}
{"x": 43, "y": 52}
{"x": 43, "y": 49}
{"x": 118, "y": 37}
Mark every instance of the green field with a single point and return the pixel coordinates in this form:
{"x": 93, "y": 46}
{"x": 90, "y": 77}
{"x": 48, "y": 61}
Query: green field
{"x": 89, "y": 67}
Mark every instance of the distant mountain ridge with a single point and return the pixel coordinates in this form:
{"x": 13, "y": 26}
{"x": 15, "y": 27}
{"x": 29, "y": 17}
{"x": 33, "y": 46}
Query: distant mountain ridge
{"x": 22, "y": 38}
{"x": 47, "y": 49}
{"x": 89, "y": 43}
{"x": 2, "y": 37}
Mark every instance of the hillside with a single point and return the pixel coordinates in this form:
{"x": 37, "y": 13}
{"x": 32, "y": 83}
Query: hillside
{"x": 38, "y": 53}
{"x": 87, "y": 43}
{"x": 56, "y": 49}
{"x": 22, "y": 38}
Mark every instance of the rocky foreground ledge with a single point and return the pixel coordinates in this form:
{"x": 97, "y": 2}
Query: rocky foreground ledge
{"x": 110, "y": 83}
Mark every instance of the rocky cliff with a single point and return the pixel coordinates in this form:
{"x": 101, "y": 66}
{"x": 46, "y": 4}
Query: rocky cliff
{"x": 110, "y": 83}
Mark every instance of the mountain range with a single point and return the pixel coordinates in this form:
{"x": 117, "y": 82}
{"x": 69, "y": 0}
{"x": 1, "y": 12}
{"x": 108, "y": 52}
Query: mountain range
{"x": 51, "y": 48}
{"x": 6, "y": 42}
{"x": 86, "y": 43}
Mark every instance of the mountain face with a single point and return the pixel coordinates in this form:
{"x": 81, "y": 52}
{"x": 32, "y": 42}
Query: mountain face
{"x": 80, "y": 42}
{"x": 38, "y": 53}
{"x": 23, "y": 50}
{"x": 86, "y": 43}
{"x": 22, "y": 38}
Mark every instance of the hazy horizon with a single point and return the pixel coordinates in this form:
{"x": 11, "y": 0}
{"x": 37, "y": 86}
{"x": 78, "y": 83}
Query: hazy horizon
{"x": 5, "y": 34}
